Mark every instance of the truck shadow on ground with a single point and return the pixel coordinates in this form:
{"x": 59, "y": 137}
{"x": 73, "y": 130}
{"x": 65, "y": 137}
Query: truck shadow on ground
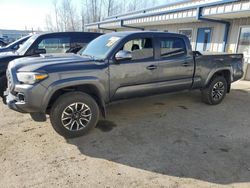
{"x": 176, "y": 135}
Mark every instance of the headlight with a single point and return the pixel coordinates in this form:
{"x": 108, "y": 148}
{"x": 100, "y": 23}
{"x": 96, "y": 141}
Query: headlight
{"x": 31, "y": 77}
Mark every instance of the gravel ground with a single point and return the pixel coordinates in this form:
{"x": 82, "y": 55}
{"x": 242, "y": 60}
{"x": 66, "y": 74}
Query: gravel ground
{"x": 171, "y": 140}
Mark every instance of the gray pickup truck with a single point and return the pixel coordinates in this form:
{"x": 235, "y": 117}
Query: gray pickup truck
{"x": 75, "y": 89}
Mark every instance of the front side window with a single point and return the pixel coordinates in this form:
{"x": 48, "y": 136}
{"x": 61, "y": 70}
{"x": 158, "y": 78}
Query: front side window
{"x": 55, "y": 45}
{"x": 172, "y": 47}
{"x": 141, "y": 49}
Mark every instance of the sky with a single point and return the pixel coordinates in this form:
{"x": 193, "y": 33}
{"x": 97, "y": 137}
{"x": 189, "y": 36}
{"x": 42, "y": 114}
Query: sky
{"x": 29, "y": 14}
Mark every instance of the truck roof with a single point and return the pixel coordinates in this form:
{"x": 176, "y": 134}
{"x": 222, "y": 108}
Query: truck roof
{"x": 67, "y": 33}
{"x": 127, "y": 33}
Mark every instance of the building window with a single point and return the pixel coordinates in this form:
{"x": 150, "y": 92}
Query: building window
{"x": 187, "y": 32}
{"x": 244, "y": 43}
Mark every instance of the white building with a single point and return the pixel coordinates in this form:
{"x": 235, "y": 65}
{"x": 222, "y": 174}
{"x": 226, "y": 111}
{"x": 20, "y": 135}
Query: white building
{"x": 211, "y": 25}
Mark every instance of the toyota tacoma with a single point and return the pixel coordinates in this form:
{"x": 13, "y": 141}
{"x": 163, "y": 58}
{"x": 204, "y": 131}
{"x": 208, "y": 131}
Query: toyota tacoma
{"x": 74, "y": 89}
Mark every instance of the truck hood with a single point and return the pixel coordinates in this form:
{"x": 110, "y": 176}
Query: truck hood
{"x": 53, "y": 62}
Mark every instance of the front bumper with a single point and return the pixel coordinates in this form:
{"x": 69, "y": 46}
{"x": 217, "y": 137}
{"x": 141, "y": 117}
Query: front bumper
{"x": 32, "y": 98}
{"x": 13, "y": 104}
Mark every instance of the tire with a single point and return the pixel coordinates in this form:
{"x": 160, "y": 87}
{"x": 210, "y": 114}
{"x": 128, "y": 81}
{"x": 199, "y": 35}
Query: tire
{"x": 74, "y": 114}
{"x": 3, "y": 85}
{"x": 215, "y": 91}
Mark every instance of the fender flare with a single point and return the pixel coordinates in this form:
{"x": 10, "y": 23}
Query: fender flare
{"x": 71, "y": 82}
{"x": 215, "y": 71}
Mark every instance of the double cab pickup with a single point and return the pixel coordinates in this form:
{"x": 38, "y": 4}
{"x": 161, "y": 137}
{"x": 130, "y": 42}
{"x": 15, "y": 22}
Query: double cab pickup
{"x": 74, "y": 89}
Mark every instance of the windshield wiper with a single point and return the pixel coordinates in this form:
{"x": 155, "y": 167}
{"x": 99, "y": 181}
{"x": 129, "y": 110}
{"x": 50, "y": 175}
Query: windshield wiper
{"x": 99, "y": 59}
{"x": 91, "y": 56}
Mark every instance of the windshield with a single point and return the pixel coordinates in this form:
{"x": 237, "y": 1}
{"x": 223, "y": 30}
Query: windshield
{"x": 18, "y": 41}
{"x": 100, "y": 47}
{"x": 23, "y": 48}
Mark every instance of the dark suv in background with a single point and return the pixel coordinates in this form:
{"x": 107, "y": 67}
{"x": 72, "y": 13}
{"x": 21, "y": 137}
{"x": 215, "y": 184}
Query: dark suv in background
{"x": 46, "y": 43}
{"x": 14, "y": 45}
{"x": 2, "y": 43}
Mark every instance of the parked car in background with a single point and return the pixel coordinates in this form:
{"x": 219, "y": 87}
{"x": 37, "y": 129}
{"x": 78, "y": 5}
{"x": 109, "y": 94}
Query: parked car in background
{"x": 2, "y": 43}
{"x": 14, "y": 45}
{"x": 75, "y": 89}
{"x": 46, "y": 43}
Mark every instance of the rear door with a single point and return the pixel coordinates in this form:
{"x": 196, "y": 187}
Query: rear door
{"x": 176, "y": 65}
{"x": 134, "y": 77}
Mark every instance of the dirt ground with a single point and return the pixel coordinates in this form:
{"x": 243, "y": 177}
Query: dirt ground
{"x": 171, "y": 140}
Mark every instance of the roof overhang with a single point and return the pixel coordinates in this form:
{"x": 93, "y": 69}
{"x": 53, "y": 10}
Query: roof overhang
{"x": 226, "y": 9}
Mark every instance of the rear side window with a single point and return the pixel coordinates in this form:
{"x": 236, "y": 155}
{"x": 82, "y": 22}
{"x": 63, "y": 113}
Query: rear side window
{"x": 141, "y": 49}
{"x": 172, "y": 47}
{"x": 55, "y": 45}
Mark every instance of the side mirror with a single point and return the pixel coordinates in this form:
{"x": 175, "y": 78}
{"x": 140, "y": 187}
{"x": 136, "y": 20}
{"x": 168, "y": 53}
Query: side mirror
{"x": 40, "y": 51}
{"x": 123, "y": 55}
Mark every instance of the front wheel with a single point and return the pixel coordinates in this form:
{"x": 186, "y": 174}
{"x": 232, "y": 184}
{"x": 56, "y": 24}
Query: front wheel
{"x": 215, "y": 91}
{"x": 74, "y": 114}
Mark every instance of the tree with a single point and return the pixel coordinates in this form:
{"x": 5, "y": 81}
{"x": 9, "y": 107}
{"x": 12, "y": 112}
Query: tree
{"x": 56, "y": 14}
{"x": 109, "y": 4}
{"x": 66, "y": 17}
{"x": 48, "y": 22}
{"x": 82, "y": 16}
{"x": 94, "y": 8}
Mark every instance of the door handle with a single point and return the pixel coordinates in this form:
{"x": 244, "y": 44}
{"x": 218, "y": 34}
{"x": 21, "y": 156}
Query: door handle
{"x": 185, "y": 64}
{"x": 151, "y": 67}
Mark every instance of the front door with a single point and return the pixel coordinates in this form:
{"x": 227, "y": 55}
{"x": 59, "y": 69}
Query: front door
{"x": 203, "y": 39}
{"x": 130, "y": 78}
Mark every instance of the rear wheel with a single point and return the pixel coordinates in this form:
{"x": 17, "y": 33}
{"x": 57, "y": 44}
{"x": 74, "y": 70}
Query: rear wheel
{"x": 215, "y": 91}
{"x": 74, "y": 114}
